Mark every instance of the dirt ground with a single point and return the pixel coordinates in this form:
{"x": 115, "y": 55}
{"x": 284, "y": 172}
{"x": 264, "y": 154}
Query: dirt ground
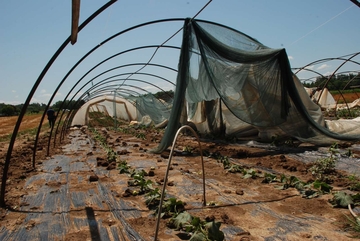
{"x": 7, "y": 123}
{"x": 349, "y": 97}
{"x": 248, "y": 208}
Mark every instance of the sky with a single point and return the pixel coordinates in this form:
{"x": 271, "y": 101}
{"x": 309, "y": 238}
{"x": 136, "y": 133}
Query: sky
{"x": 32, "y": 31}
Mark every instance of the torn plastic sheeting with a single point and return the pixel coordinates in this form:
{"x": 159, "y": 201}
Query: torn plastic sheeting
{"x": 64, "y": 219}
{"x": 288, "y": 226}
{"x": 80, "y": 223}
{"x": 34, "y": 201}
{"x": 63, "y": 201}
{"x": 57, "y": 162}
{"x": 189, "y": 187}
{"x": 350, "y": 165}
{"x": 126, "y": 208}
{"x": 91, "y": 161}
{"x": 49, "y": 230}
{"x": 20, "y": 234}
{"x": 104, "y": 235}
{"x": 46, "y": 202}
{"x": 119, "y": 209}
{"x": 142, "y": 163}
{"x": 344, "y": 163}
{"x": 98, "y": 231}
{"x": 231, "y": 232}
{"x": 115, "y": 233}
{"x": 95, "y": 199}
{"x": 79, "y": 166}
{"x": 80, "y": 179}
{"x": 56, "y": 230}
{"x": 4, "y": 233}
{"x": 42, "y": 176}
{"x": 78, "y": 199}
{"x": 52, "y": 200}
{"x": 76, "y": 145}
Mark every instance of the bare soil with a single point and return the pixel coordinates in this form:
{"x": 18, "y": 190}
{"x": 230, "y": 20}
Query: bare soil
{"x": 347, "y": 97}
{"x": 248, "y": 207}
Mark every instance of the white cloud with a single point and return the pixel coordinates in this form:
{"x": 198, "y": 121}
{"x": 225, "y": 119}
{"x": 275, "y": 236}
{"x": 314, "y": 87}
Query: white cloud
{"x": 309, "y": 67}
{"x": 13, "y": 91}
{"x": 323, "y": 66}
{"x": 328, "y": 73}
{"x": 14, "y": 102}
{"x": 290, "y": 57}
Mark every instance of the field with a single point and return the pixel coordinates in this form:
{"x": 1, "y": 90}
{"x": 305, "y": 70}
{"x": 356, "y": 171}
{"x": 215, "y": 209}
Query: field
{"x": 349, "y": 97}
{"x": 240, "y": 192}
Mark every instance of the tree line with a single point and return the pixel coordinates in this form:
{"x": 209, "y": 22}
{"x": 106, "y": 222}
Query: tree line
{"x": 337, "y": 82}
{"x": 33, "y": 108}
{"x": 11, "y": 110}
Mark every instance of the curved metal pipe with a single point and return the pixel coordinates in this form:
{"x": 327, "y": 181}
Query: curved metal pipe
{"x": 347, "y": 60}
{"x": 127, "y": 65}
{"x": 110, "y": 38}
{"x": 325, "y": 60}
{"x": 67, "y": 75}
{"x": 98, "y": 84}
{"x": 167, "y": 173}
{"x": 31, "y": 94}
{"x": 121, "y": 66}
{"x": 72, "y": 113}
{"x": 106, "y": 82}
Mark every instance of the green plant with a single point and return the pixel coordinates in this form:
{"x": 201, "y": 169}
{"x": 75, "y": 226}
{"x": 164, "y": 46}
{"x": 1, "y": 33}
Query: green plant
{"x": 140, "y": 181}
{"x": 225, "y": 161}
{"x": 251, "y": 173}
{"x": 123, "y": 167}
{"x": 322, "y": 186}
{"x": 172, "y": 207}
{"x": 153, "y": 198}
{"x": 348, "y": 113}
{"x": 348, "y": 153}
{"x": 140, "y": 136}
{"x": 277, "y": 141}
{"x": 187, "y": 149}
{"x": 342, "y": 200}
{"x": 269, "y": 178}
{"x": 325, "y": 166}
{"x": 111, "y": 155}
{"x": 354, "y": 225}
{"x": 235, "y": 168}
{"x": 199, "y": 230}
{"x": 355, "y": 183}
{"x": 291, "y": 181}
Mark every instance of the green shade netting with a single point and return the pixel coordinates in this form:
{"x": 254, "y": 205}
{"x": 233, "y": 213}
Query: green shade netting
{"x": 227, "y": 78}
{"x": 148, "y": 105}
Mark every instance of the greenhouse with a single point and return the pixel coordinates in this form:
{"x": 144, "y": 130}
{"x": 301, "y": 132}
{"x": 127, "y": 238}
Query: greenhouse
{"x": 208, "y": 135}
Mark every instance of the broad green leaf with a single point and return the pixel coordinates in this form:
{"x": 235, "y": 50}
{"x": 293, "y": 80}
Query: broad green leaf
{"x": 182, "y": 220}
{"x": 196, "y": 222}
{"x": 198, "y": 236}
{"x": 213, "y": 231}
{"x": 342, "y": 199}
{"x": 322, "y": 186}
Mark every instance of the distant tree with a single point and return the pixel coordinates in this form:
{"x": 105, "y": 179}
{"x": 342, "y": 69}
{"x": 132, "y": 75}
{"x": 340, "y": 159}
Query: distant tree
{"x": 8, "y": 110}
{"x": 337, "y": 82}
{"x": 165, "y": 95}
{"x": 70, "y": 105}
{"x": 35, "y": 108}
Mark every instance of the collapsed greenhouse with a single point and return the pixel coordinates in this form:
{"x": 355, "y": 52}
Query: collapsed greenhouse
{"x": 231, "y": 86}
{"x": 228, "y": 86}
